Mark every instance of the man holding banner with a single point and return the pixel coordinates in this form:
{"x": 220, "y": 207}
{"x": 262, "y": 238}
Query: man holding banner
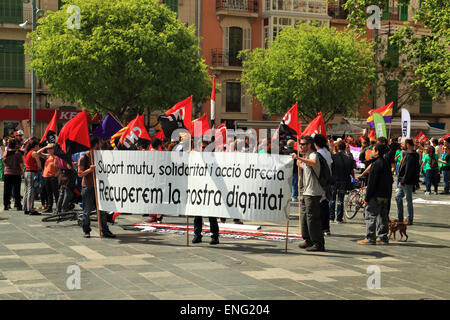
{"x": 85, "y": 171}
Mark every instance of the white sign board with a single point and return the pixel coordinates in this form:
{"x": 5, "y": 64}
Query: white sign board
{"x": 245, "y": 186}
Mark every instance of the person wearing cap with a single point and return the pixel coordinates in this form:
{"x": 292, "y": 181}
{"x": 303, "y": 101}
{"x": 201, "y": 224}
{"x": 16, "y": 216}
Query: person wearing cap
{"x": 19, "y": 135}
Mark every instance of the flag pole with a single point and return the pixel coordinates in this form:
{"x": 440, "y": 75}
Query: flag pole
{"x": 287, "y": 234}
{"x": 96, "y": 197}
{"x": 299, "y": 130}
{"x": 115, "y": 118}
{"x": 187, "y": 231}
{"x": 213, "y": 107}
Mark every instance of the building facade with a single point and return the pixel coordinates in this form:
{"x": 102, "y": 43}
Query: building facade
{"x": 15, "y": 78}
{"x": 224, "y": 28}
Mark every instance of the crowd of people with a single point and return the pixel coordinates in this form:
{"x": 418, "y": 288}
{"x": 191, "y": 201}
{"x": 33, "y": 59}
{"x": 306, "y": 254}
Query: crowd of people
{"x": 60, "y": 185}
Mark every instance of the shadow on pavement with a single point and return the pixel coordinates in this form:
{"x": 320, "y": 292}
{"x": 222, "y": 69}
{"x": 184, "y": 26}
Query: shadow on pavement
{"x": 433, "y": 225}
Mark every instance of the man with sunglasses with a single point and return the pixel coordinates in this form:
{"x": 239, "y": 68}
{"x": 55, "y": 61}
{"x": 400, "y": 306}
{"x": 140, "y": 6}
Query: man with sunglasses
{"x": 311, "y": 223}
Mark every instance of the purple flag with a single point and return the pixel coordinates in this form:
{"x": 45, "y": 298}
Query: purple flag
{"x": 107, "y": 128}
{"x": 355, "y": 152}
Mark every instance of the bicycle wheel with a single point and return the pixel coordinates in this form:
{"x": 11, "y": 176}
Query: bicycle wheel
{"x": 59, "y": 217}
{"x": 352, "y": 204}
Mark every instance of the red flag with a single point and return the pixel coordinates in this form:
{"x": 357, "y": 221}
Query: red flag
{"x": 159, "y": 135}
{"x": 315, "y": 127}
{"x": 50, "y": 132}
{"x": 183, "y": 110}
{"x": 289, "y": 125}
{"x": 213, "y": 100}
{"x": 421, "y": 137}
{"x": 200, "y": 126}
{"x": 221, "y": 136}
{"x": 446, "y": 137}
{"x": 135, "y": 130}
{"x": 73, "y": 138}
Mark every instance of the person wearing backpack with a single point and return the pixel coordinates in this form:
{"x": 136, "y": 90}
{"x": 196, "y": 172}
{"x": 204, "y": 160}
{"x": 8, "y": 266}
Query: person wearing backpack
{"x": 430, "y": 168}
{"x": 309, "y": 164}
{"x": 321, "y": 145}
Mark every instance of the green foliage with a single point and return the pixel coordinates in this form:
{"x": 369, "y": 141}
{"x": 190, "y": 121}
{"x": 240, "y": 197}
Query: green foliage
{"x": 321, "y": 68}
{"x": 128, "y": 56}
{"x": 424, "y": 61}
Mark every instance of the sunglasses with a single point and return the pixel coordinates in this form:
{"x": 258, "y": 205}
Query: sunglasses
{"x": 303, "y": 144}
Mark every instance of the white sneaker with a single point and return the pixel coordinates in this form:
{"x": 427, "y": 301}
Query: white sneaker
{"x": 427, "y": 193}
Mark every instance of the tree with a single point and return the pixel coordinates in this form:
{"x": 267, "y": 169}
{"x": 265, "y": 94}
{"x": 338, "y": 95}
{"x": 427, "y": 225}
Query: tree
{"x": 425, "y": 60}
{"x": 127, "y": 56}
{"x": 325, "y": 70}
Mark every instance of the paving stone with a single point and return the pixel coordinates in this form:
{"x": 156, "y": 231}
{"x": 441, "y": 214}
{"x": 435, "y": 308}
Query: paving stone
{"x": 35, "y": 256}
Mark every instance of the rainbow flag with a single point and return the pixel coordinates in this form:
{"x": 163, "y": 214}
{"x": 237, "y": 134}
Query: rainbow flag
{"x": 385, "y": 111}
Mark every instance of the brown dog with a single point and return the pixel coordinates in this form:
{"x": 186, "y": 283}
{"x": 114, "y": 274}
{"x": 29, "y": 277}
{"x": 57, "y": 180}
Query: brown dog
{"x": 400, "y": 226}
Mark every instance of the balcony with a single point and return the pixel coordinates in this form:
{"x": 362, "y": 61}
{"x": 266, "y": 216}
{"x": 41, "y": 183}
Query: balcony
{"x": 312, "y": 7}
{"x": 237, "y": 8}
{"x": 16, "y": 16}
{"x": 225, "y": 58}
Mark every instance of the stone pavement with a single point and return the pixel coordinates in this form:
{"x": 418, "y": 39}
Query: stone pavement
{"x": 35, "y": 257}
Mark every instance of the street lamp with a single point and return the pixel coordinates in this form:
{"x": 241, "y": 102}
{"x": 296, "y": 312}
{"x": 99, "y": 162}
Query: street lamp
{"x": 36, "y": 12}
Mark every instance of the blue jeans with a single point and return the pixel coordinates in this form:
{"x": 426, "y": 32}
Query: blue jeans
{"x": 446, "y": 178}
{"x": 294, "y": 188}
{"x": 405, "y": 190}
{"x": 88, "y": 195}
{"x": 397, "y": 167}
{"x": 339, "y": 194}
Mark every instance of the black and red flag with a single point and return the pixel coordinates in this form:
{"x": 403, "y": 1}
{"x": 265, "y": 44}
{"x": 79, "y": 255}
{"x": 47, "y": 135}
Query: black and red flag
{"x": 289, "y": 125}
{"x": 73, "y": 138}
{"x": 50, "y": 132}
{"x": 177, "y": 117}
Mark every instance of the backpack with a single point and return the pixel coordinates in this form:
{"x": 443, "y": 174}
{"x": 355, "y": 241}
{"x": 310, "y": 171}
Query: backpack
{"x": 325, "y": 178}
{"x": 433, "y": 163}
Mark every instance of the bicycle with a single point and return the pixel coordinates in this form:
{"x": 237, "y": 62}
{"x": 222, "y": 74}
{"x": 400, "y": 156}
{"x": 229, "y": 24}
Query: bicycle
{"x": 354, "y": 201}
{"x": 70, "y": 216}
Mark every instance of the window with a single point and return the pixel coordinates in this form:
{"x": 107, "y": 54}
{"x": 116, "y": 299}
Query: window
{"x": 392, "y": 55}
{"x": 11, "y": 11}
{"x": 404, "y": 12}
{"x": 391, "y": 10}
{"x": 172, "y": 5}
{"x": 391, "y": 88}
{"x": 12, "y": 64}
{"x": 279, "y": 23}
{"x": 234, "y": 46}
{"x": 425, "y": 102}
{"x": 233, "y": 96}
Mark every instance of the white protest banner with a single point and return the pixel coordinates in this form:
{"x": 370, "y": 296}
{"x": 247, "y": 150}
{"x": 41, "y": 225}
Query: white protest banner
{"x": 406, "y": 124}
{"x": 245, "y": 186}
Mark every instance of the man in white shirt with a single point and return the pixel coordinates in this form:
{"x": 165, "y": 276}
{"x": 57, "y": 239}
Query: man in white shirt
{"x": 321, "y": 144}
{"x": 312, "y": 193}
